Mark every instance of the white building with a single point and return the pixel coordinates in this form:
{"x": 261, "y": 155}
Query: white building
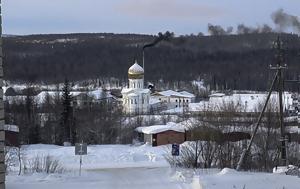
{"x": 174, "y": 99}
{"x": 135, "y": 97}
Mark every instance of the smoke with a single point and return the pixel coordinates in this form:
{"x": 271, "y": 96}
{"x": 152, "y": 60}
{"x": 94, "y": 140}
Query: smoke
{"x": 282, "y": 21}
{"x": 240, "y": 29}
{"x": 285, "y": 21}
{"x": 161, "y": 37}
{"x": 218, "y": 30}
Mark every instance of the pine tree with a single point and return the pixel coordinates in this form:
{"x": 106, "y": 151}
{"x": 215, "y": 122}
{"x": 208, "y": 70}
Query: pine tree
{"x": 67, "y": 120}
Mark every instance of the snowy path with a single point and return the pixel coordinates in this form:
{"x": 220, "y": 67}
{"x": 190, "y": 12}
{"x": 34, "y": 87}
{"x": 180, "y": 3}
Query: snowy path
{"x": 118, "y": 178}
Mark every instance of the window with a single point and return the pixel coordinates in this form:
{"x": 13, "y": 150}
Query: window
{"x": 135, "y": 101}
{"x": 176, "y": 100}
{"x": 187, "y": 100}
{"x": 159, "y": 99}
{"x": 183, "y": 100}
{"x": 131, "y": 101}
{"x": 133, "y": 85}
{"x": 179, "y": 100}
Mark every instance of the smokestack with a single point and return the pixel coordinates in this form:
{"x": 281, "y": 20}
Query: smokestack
{"x": 284, "y": 21}
{"x": 161, "y": 37}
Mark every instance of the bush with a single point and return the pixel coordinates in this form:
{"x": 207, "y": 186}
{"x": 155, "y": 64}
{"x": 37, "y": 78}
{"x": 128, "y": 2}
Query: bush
{"x": 43, "y": 164}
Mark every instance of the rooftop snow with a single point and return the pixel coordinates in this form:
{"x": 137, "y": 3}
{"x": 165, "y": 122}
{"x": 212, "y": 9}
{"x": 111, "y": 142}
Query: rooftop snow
{"x": 13, "y": 128}
{"x": 170, "y": 126}
{"x": 246, "y": 102}
{"x": 183, "y": 94}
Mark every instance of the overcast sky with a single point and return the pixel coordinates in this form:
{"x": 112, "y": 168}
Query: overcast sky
{"x": 136, "y": 16}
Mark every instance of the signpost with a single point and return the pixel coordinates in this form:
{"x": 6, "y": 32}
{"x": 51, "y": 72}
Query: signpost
{"x": 175, "y": 152}
{"x": 80, "y": 149}
{"x": 175, "y": 149}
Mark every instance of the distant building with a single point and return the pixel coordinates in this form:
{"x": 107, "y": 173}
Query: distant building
{"x": 157, "y": 135}
{"x": 135, "y": 98}
{"x": 251, "y": 102}
{"x": 173, "y": 99}
{"x": 11, "y": 135}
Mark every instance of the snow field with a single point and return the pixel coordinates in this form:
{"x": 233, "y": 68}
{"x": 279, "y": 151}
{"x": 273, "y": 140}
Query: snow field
{"x": 136, "y": 167}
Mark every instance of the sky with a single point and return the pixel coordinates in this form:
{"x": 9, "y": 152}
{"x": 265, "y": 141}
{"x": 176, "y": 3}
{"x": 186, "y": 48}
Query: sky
{"x": 23, "y": 17}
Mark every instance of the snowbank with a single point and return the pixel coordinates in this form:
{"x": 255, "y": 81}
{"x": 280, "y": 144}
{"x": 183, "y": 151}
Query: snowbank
{"x": 229, "y": 178}
{"x": 101, "y": 156}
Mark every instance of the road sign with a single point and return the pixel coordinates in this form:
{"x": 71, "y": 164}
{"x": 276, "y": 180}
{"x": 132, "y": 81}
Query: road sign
{"x": 175, "y": 149}
{"x": 80, "y": 149}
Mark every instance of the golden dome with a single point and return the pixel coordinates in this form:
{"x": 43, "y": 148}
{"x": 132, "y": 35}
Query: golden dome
{"x": 135, "y": 71}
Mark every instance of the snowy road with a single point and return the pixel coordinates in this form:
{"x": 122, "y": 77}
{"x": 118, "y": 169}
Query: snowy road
{"x": 119, "y": 178}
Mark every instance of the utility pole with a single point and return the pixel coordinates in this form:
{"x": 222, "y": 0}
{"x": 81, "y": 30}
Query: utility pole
{"x": 279, "y": 79}
{"x": 2, "y": 133}
{"x": 279, "y": 67}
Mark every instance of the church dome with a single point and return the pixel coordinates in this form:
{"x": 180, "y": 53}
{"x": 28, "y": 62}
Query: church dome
{"x": 135, "y": 71}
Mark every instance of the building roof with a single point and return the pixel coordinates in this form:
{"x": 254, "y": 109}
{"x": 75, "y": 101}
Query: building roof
{"x": 135, "y": 69}
{"x": 245, "y": 102}
{"x": 170, "y": 126}
{"x": 170, "y": 93}
{"x": 187, "y": 94}
{"x": 13, "y": 128}
{"x": 217, "y": 95}
{"x": 135, "y": 91}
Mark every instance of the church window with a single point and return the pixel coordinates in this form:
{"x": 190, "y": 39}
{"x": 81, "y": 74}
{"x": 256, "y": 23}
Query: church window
{"x": 187, "y": 100}
{"x": 131, "y": 101}
{"x": 133, "y": 85}
{"x": 135, "y": 101}
{"x": 176, "y": 100}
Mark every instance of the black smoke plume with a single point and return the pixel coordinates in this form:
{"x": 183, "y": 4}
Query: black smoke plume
{"x": 285, "y": 21}
{"x": 161, "y": 37}
{"x": 218, "y": 30}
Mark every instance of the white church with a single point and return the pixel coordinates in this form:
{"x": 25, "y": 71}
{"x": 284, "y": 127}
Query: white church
{"x": 135, "y": 97}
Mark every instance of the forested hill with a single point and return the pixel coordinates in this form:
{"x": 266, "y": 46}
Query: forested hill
{"x": 229, "y": 61}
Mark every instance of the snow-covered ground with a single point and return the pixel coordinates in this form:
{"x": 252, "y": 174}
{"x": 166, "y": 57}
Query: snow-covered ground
{"x": 135, "y": 167}
{"x": 231, "y": 179}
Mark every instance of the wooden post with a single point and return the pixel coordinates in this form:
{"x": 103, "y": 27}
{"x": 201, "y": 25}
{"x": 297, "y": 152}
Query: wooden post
{"x": 2, "y": 133}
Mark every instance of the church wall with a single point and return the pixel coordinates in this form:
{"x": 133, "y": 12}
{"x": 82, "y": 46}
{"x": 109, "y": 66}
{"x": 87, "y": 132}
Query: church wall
{"x": 136, "y": 83}
{"x": 134, "y": 104}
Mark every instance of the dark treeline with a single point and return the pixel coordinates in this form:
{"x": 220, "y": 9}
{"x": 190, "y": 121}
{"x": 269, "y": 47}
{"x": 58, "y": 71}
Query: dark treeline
{"x": 239, "y": 62}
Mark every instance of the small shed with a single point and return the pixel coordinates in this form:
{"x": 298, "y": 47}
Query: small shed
{"x": 11, "y": 135}
{"x": 157, "y": 135}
